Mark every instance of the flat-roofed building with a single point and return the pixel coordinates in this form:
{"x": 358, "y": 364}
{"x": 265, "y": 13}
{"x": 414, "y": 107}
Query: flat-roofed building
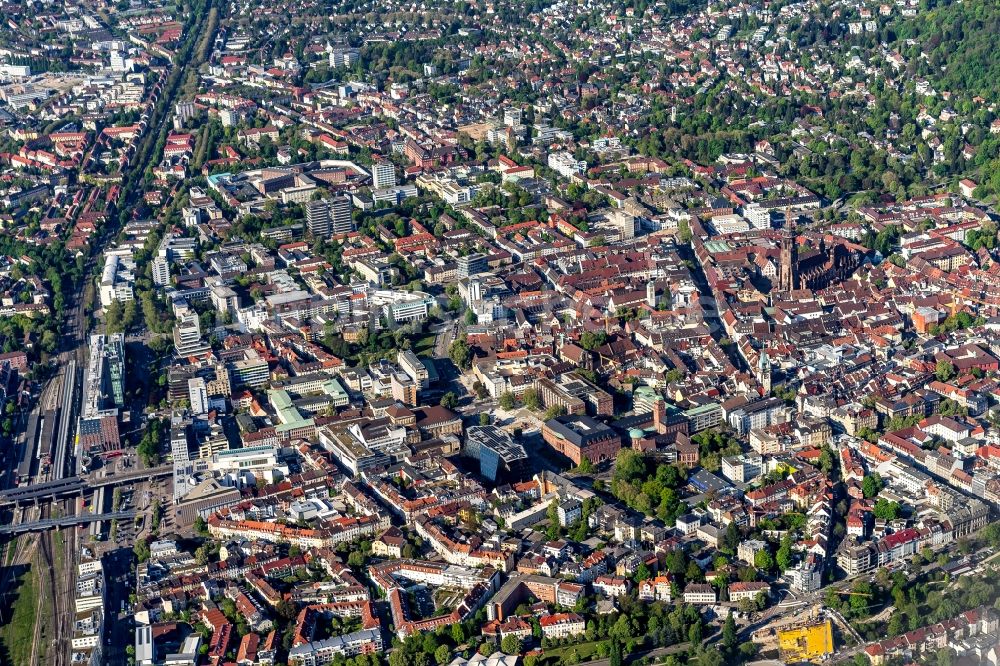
{"x": 500, "y": 457}
{"x": 578, "y": 437}
{"x": 330, "y": 217}
{"x": 413, "y": 367}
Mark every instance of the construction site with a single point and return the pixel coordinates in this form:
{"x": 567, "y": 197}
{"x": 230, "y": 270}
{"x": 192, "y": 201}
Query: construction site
{"x": 807, "y": 642}
{"x": 806, "y": 637}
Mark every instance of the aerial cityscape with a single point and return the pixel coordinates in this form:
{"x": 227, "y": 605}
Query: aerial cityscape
{"x": 541, "y": 333}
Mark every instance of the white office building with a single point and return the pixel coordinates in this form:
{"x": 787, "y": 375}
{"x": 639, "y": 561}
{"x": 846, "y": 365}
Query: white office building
{"x": 343, "y": 57}
{"x": 198, "y": 394}
{"x": 329, "y": 217}
{"x": 187, "y": 333}
{"x": 117, "y": 279}
{"x": 161, "y": 271}
{"x": 402, "y": 306}
{"x": 566, "y": 165}
{"x": 383, "y": 175}
{"x": 145, "y": 647}
{"x": 185, "y": 110}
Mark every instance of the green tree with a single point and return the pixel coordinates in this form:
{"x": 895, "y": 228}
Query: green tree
{"x": 442, "y": 655}
{"x": 871, "y": 485}
{"x": 130, "y": 315}
{"x": 944, "y": 370}
{"x": 510, "y": 645}
{"x": 895, "y": 626}
{"x": 532, "y": 400}
{"x": 616, "y": 658}
{"x": 729, "y": 638}
{"x": 695, "y": 633}
{"x": 449, "y": 400}
{"x": 460, "y": 353}
{"x": 731, "y": 538}
{"x": 783, "y": 558}
{"x": 629, "y": 466}
{"x": 141, "y": 550}
{"x": 591, "y": 340}
{"x": 552, "y": 513}
{"x": 826, "y": 460}
{"x": 621, "y": 630}
{"x": 991, "y": 535}
{"x": 861, "y": 598}
{"x": 149, "y": 446}
{"x": 200, "y": 526}
{"x": 684, "y": 235}
{"x": 762, "y": 560}
{"x": 553, "y": 411}
{"x": 507, "y": 401}
{"x": 114, "y": 317}
{"x": 886, "y": 510}
{"x": 286, "y": 609}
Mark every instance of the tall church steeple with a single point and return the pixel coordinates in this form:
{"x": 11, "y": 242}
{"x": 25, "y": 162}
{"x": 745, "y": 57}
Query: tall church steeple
{"x": 764, "y": 371}
{"x": 788, "y": 271}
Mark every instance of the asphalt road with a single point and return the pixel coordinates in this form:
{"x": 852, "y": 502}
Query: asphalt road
{"x": 652, "y": 654}
{"x": 447, "y": 332}
{"x": 118, "y": 628}
{"x": 709, "y": 305}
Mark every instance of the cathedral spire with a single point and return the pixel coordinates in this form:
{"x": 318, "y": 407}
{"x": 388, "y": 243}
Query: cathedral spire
{"x": 788, "y": 271}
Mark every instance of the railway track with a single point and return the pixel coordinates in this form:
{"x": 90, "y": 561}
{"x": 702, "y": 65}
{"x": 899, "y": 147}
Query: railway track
{"x": 62, "y": 400}
{"x": 23, "y": 550}
{"x": 56, "y": 654}
{"x": 44, "y": 547}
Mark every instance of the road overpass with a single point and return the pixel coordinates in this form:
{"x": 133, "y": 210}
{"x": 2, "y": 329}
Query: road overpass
{"x": 43, "y": 491}
{"x": 129, "y": 477}
{"x": 76, "y": 485}
{"x": 66, "y": 521}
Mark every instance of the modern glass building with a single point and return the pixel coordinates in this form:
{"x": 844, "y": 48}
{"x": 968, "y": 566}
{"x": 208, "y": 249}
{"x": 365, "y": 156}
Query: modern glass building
{"x": 500, "y": 458}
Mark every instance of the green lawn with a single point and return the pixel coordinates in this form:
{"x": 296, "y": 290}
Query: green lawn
{"x": 584, "y": 652}
{"x": 17, "y": 631}
{"x": 425, "y": 346}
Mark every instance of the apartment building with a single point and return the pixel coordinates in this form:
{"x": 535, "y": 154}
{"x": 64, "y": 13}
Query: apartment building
{"x": 562, "y": 625}
{"x": 326, "y": 218}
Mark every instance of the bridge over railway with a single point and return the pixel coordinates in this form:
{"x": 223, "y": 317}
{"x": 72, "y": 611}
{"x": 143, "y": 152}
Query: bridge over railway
{"x": 76, "y": 485}
{"x": 65, "y": 521}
